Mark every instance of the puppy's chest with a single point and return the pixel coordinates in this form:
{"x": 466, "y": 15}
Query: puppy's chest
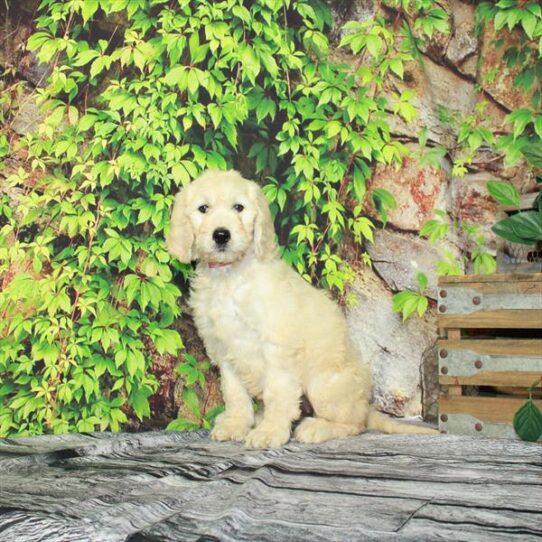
{"x": 219, "y": 309}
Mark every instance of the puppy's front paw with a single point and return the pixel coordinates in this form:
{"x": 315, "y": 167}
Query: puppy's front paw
{"x": 227, "y": 428}
{"x": 267, "y": 436}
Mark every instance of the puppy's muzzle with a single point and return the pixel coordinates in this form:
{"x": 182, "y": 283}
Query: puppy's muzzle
{"x": 221, "y": 236}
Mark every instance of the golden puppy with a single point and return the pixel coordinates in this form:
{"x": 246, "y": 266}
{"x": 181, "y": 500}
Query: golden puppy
{"x": 273, "y": 335}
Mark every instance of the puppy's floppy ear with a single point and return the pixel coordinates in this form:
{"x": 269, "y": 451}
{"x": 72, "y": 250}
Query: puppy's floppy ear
{"x": 264, "y": 230}
{"x": 180, "y": 239}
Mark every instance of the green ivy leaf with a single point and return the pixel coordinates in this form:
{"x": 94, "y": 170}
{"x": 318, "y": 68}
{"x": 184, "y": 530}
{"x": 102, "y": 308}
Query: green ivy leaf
{"x": 88, "y": 9}
{"x": 182, "y": 424}
{"x": 524, "y": 227}
{"x": 191, "y": 400}
{"x": 504, "y": 193}
{"x": 528, "y": 422}
{"x": 140, "y": 403}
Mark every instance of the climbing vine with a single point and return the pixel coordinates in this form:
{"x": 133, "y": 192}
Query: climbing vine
{"x": 135, "y": 112}
{"x": 522, "y": 139}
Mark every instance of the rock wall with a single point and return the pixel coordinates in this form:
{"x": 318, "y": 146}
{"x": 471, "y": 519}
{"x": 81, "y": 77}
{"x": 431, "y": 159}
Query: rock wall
{"x": 448, "y": 83}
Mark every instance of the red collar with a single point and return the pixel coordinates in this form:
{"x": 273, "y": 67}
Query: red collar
{"x": 213, "y": 265}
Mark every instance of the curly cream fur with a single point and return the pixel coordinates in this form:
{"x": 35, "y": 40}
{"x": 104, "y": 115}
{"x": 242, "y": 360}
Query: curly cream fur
{"x": 273, "y": 336}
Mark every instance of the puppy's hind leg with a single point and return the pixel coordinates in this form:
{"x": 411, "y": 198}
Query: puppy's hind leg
{"x": 340, "y": 405}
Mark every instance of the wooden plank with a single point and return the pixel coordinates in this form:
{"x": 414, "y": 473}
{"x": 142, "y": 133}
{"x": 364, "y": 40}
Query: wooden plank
{"x": 495, "y": 319}
{"x": 454, "y": 334}
{"x": 471, "y": 298}
{"x": 372, "y": 487}
{"x": 515, "y": 347}
{"x": 495, "y": 288}
{"x": 454, "y": 390}
{"x": 497, "y": 362}
{"x": 487, "y": 378}
{"x": 497, "y": 277}
{"x": 490, "y": 409}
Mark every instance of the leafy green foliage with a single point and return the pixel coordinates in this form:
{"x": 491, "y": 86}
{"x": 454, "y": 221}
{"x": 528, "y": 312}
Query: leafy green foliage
{"x": 437, "y": 228}
{"x": 90, "y": 292}
{"x": 475, "y": 254}
{"x": 481, "y": 260}
{"x": 524, "y": 19}
{"x": 194, "y": 373}
{"x": 408, "y": 302}
{"x": 524, "y": 227}
{"x": 528, "y": 419}
{"x": 504, "y": 193}
{"x": 528, "y": 422}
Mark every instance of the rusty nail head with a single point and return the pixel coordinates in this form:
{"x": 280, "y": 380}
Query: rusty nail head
{"x": 442, "y": 308}
{"x": 444, "y": 370}
{"x": 478, "y": 427}
{"x": 444, "y": 353}
{"x": 443, "y": 418}
{"x": 476, "y": 300}
{"x": 478, "y": 364}
{"x": 443, "y": 293}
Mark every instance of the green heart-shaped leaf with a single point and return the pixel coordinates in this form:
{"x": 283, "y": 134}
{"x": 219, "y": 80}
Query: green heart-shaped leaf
{"x": 528, "y": 422}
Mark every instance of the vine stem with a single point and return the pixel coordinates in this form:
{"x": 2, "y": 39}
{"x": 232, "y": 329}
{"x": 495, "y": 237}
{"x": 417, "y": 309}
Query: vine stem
{"x": 285, "y": 35}
{"x": 340, "y": 192}
{"x": 77, "y": 293}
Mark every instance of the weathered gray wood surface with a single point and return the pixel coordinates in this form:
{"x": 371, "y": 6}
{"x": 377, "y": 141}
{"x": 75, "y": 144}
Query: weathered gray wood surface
{"x": 181, "y": 486}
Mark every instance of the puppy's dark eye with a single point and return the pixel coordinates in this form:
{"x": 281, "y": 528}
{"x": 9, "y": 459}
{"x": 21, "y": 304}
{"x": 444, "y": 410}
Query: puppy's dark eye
{"x": 203, "y": 208}
{"x": 238, "y": 207}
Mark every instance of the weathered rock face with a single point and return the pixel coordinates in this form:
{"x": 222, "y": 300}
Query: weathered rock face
{"x": 27, "y": 116}
{"x": 463, "y": 45}
{"x": 395, "y": 350}
{"x": 441, "y": 94}
{"x": 447, "y": 84}
{"x": 495, "y": 77}
{"x": 418, "y": 190}
{"x": 17, "y": 26}
{"x": 471, "y": 200}
{"x": 399, "y": 256}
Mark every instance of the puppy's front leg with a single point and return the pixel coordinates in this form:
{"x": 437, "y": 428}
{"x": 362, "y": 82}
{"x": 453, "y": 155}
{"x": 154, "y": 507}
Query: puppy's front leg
{"x": 281, "y": 400}
{"x": 237, "y": 419}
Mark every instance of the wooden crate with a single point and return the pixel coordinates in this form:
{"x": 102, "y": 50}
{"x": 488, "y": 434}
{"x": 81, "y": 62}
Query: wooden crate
{"x": 490, "y": 350}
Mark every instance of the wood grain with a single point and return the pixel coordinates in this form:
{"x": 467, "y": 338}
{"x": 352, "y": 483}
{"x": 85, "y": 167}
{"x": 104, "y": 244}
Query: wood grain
{"x": 497, "y": 277}
{"x": 496, "y": 319}
{"x": 489, "y": 409}
{"x": 174, "y": 487}
{"x": 494, "y": 348}
{"x": 493, "y": 378}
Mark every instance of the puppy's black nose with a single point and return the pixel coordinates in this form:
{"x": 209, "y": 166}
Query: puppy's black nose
{"x": 221, "y": 236}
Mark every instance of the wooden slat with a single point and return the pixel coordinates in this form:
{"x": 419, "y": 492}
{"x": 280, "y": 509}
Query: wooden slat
{"x": 454, "y": 334}
{"x": 498, "y": 277}
{"x": 488, "y": 375}
{"x": 496, "y": 319}
{"x": 462, "y": 354}
{"x": 495, "y": 288}
{"x": 488, "y": 409}
{"x": 496, "y": 347}
{"x": 487, "y": 378}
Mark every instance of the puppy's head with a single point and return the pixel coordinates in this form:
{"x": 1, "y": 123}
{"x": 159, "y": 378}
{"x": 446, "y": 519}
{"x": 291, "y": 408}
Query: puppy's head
{"x": 220, "y": 218}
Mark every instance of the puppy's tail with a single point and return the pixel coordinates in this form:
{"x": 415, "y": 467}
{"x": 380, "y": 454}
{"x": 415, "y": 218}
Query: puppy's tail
{"x": 380, "y": 422}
